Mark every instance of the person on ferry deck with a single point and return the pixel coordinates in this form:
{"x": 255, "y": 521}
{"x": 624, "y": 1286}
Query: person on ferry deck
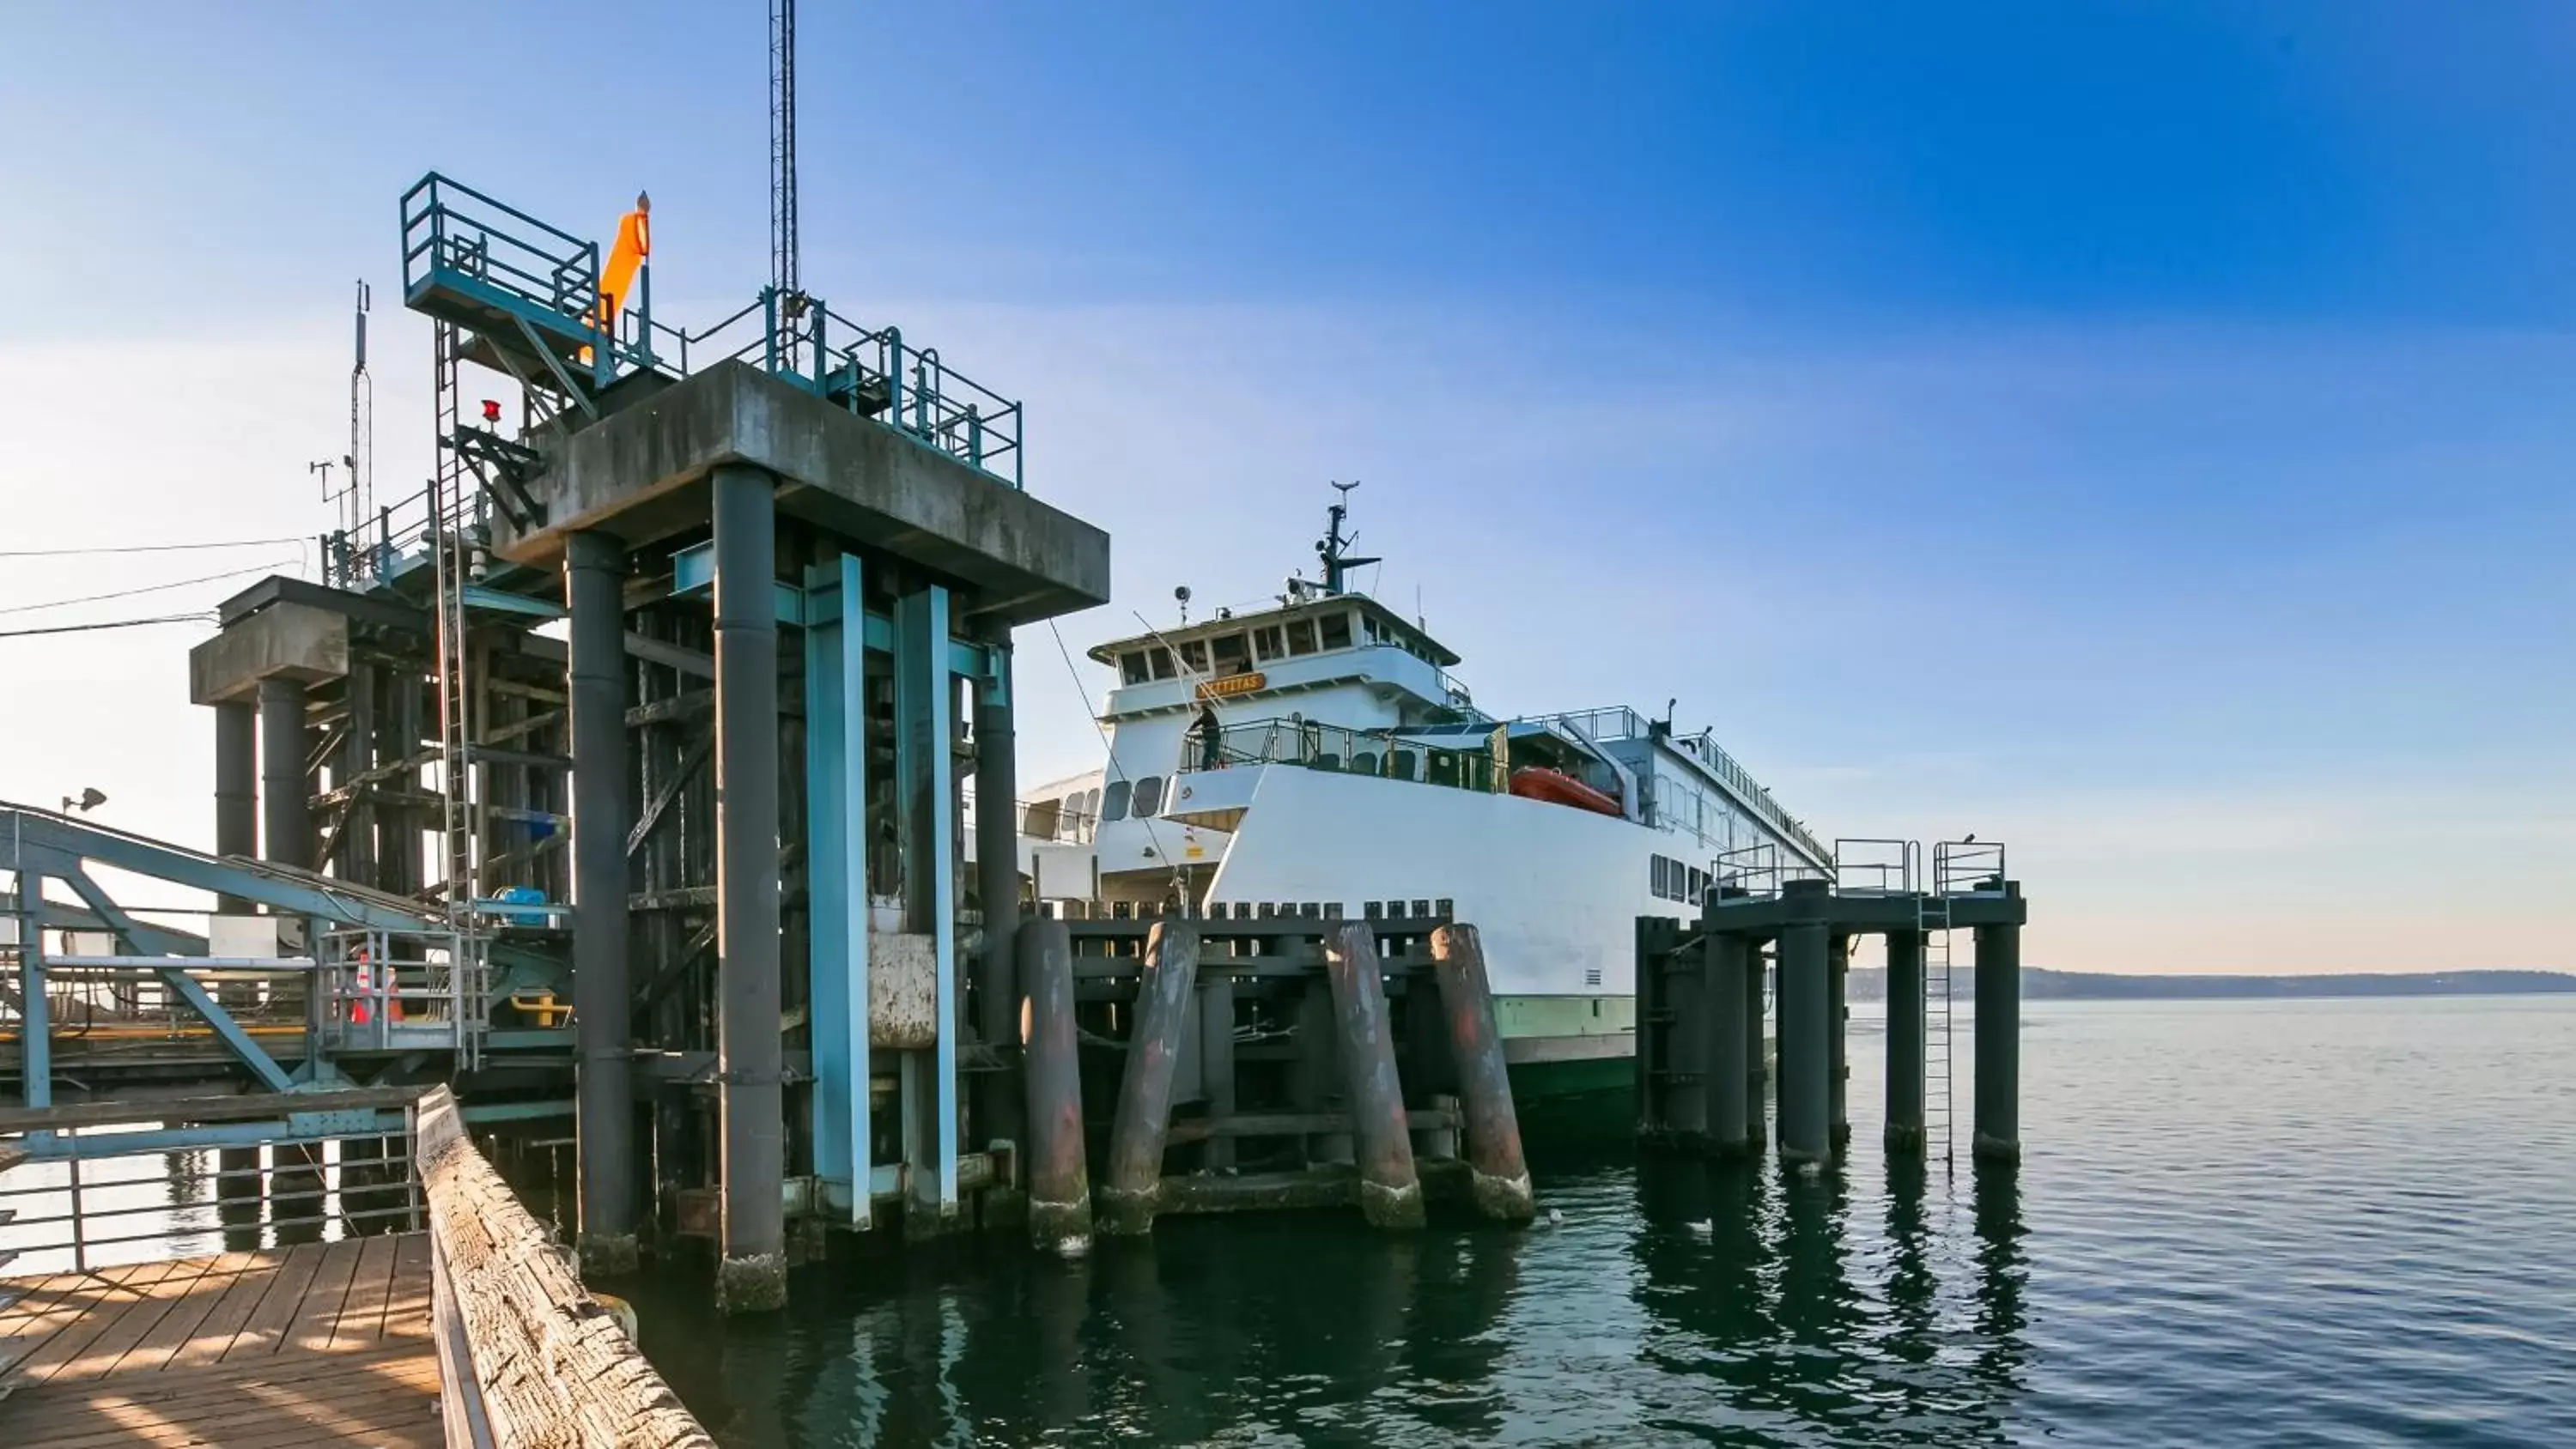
{"x": 1211, "y": 739}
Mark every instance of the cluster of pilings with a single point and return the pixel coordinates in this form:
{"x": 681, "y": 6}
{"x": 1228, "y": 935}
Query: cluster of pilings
{"x": 1702, "y": 1063}
{"x": 1262, "y": 1062}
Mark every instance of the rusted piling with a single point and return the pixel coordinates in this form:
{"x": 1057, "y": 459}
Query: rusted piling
{"x": 1164, "y": 1005}
{"x": 1498, "y": 1173}
{"x": 1757, "y": 1073}
{"x": 1390, "y": 1190}
{"x": 1059, "y": 1179}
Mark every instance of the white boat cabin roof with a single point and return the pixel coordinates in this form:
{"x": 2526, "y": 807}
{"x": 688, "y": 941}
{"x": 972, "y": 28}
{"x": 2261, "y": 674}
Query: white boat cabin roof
{"x": 1232, "y": 644}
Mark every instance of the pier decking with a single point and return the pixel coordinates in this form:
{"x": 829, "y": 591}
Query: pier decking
{"x": 318, "y": 1343}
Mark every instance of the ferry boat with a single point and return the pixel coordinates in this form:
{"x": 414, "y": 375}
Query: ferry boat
{"x": 1320, "y": 755}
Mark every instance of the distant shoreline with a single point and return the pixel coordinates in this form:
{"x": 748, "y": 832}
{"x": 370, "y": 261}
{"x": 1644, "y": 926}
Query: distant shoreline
{"x": 1870, "y": 984}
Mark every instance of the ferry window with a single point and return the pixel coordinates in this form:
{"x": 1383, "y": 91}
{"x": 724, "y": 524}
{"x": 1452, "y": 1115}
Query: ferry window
{"x": 1131, "y": 666}
{"x": 1655, "y": 874}
{"x": 1337, "y": 630}
{"x": 1194, "y": 655}
{"x": 1039, "y": 820}
{"x": 1301, "y": 636}
{"x": 1162, "y": 660}
{"x": 1698, "y": 885}
{"x": 1113, "y": 805}
{"x": 1149, "y": 795}
{"x": 1265, "y": 643}
{"x": 1091, "y": 805}
{"x": 1072, "y": 815}
{"x": 1231, "y": 655}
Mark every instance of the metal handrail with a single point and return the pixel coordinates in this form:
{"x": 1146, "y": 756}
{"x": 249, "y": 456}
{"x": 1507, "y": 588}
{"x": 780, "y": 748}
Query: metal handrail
{"x": 59, "y": 1200}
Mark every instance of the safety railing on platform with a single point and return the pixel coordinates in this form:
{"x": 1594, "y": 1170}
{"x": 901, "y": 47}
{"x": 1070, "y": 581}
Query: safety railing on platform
{"x": 1865, "y": 865}
{"x": 1967, "y": 867}
{"x": 107, "y": 1183}
{"x": 475, "y": 261}
{"x": 1762, "y": 869}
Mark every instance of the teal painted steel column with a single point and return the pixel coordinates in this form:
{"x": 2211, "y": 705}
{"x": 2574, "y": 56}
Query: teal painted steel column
{"x": 751, "y": 1274}
{"x": 926, "y": 795}
{"x": 35, "y": 1024}
{"x": 836, "y": 760}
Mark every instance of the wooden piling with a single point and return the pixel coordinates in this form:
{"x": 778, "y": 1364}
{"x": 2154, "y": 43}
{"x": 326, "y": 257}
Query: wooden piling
{"x": 1499, "y": 1174}
{"x": 1390, "y": 1190}
{"x": 1164, "y": 1005}
{"x": 1059, "y": 1179}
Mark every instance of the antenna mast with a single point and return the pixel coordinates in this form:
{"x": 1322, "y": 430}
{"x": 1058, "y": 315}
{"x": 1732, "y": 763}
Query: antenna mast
{"x": 782, "y": 152}
{"x": 1330, "y": 547}
{"x": 360, "y": 466}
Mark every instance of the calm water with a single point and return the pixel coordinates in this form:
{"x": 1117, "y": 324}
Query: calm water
{"x": 2329, "y": 1223}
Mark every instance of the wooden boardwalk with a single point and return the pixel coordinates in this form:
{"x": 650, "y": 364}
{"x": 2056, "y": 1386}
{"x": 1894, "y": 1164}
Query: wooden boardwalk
{"x": 322, "y": 1343}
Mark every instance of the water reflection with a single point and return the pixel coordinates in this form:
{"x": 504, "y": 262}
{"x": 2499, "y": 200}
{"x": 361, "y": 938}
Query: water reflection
{"x": 1756, "y": 1308}
{"x": 1811, "y": 1316}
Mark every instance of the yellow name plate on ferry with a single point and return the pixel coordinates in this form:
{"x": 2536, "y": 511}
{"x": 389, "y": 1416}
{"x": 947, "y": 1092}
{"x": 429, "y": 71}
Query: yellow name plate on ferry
{"x": 1232, "y": 684}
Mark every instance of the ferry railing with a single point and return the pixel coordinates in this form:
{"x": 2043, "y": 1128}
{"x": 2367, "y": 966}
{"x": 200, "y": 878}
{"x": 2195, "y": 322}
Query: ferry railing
{"x": 1619, "y": 722}
{"x": 1338, "y": 748}
{"x": 121, "y": 1182}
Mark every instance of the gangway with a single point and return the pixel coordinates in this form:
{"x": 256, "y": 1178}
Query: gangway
{"x": 348, "y": 943}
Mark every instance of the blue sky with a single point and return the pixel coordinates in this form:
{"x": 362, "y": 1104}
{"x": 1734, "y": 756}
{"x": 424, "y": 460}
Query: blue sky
{"x": 2135, "y": 431}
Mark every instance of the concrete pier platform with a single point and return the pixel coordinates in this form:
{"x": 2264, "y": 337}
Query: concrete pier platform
{"x": 320, "y": 1343}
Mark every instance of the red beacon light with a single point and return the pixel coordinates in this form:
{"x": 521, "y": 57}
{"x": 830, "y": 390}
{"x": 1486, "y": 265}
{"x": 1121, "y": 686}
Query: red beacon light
{"x": 491, "y": 410}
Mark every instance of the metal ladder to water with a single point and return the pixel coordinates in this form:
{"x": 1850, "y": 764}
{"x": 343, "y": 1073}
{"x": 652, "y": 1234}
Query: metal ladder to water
{"x": 1932, "y": 925}
{"x": 455, "y": 527}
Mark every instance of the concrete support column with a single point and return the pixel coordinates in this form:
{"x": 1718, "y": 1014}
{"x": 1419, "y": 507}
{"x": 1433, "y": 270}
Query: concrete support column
{"x": 1998, "y": 1128}
{"x": 1727, "y": 1039}
{"x": 236, "y": 791}
{"x": 1806, "y": 1049}
{"x": 1905, "y": 1024}
{"x": 1838, "y": 1025}
{"x": 752, "y": 1274}
{"x": 999, "y": 1101}
{"x": 286, "y": 813}
{"x": 594, "y": 590}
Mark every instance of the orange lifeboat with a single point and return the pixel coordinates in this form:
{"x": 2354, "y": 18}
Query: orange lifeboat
{"x": 1536, "y": 782}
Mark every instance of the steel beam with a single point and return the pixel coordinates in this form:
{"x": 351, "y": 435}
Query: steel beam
{"x": 752, "y": 1276}
{"x": 836, "y": 760}
{"x": 594, "y": 584}
{"x": 286, "y": 819}
{"x": 925, "y": 791}
{"x": 1000, "y": 1110}
{"x": 236, "y": 789}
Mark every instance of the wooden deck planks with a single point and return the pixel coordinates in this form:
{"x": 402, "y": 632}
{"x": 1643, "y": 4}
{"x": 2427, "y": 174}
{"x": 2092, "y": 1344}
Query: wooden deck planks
{"x": 313, "y": 1344}
{"x": 361, "y": 1323}
{"x": 231, "y": 1309}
